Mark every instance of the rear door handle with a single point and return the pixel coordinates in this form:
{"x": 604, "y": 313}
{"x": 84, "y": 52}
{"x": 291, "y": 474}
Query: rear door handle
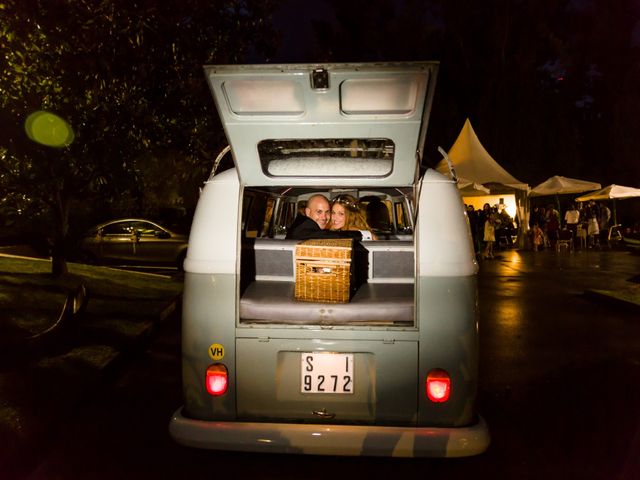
{"x": 324, "y": 414}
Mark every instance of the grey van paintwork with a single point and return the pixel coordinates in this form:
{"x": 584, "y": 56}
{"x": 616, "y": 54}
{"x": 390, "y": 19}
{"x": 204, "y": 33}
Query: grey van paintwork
{"x": 390, "y": 414}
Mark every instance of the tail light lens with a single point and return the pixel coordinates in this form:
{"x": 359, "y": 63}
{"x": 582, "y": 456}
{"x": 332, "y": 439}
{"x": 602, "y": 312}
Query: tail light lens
{"x": 217, "y": 379}
{"x": 438, "y": 385}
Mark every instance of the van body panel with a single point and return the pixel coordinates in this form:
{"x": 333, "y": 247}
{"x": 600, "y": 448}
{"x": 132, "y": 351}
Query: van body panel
{"x": 269, "y": 381}
{"x": 448, "y": 314}
{"x": 208, "y": 320}
{"x": 445, "y": 242}
{"x": 214, "y": 230}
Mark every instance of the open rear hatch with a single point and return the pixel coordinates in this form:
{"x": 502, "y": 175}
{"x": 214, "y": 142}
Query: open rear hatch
{"x": 334, "y": 124}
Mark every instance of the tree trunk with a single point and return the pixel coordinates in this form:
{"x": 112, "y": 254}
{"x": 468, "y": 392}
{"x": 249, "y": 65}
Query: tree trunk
{"x": 61, "y": 225}
{"x": 58, "y": 264}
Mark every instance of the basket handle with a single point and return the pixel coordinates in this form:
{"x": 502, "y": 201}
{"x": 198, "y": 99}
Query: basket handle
{"x": 317, "y": 270}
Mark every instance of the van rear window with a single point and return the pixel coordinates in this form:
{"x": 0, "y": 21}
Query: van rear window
{"x": 327, "y": 157}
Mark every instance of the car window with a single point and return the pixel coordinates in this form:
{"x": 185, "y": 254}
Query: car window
{"x": 128, "y": 228}
{"x": 145, "y": 229}
{"x": 120, "y": 228}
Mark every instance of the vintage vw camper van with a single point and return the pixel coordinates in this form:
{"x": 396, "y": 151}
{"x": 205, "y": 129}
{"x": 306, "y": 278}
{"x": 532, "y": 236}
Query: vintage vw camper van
{"x": 394, "y": 370}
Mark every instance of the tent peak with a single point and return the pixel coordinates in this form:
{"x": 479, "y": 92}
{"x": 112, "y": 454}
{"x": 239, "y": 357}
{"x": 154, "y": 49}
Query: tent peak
{"x": 472, "y": 161}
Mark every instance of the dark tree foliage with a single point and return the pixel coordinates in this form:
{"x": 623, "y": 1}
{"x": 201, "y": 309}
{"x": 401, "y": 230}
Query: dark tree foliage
{"x": 127, "y": 75}
{"x": 550, "y": 86}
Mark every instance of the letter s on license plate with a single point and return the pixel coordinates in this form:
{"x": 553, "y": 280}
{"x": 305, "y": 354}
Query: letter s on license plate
{"x": 327, "y": 373}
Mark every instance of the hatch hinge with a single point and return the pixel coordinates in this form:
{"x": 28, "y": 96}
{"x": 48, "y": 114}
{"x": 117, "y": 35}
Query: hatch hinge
{"x": 389, "y": 341}
{"x": 263, "y": 339}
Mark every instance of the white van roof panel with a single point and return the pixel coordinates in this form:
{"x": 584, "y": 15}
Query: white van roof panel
{"x": 330, "y": 124}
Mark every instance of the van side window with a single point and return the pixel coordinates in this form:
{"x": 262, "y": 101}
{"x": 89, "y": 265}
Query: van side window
{"x": 254, "y": 213}
{"x": 268, "y": 216}
{"x": 402, "y": 220}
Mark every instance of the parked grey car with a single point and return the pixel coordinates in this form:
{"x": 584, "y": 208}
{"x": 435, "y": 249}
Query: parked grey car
{"x": 133, "y": 241}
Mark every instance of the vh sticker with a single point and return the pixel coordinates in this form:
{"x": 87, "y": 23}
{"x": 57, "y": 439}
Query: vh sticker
{"x": 216, "y": 351}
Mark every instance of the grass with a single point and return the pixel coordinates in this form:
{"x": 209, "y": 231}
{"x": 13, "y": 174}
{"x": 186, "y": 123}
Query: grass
{"x": 123, "y": 307}
{"x": 31, "y": 299}
{"x": 629, "y": 295}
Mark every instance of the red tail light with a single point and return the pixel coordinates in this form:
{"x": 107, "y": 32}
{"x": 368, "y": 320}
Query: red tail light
{"x": 438, "y": 385}
{"x": 217, "y": 379}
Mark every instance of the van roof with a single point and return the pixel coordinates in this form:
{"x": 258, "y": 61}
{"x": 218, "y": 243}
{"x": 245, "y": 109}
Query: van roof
{"x": 325, "y": 124}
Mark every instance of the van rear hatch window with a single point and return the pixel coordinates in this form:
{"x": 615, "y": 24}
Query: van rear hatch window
{"x": 330, "y": 157}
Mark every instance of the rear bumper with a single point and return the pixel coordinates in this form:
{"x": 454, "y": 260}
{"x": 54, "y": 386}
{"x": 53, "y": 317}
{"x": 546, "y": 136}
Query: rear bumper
{"x": 352, "y": 440}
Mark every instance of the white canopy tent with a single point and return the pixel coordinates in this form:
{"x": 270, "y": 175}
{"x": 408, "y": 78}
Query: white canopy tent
{"x": 558, "y": 185}
{"x": 473, "y": 163}
{"x": 469, "y": 188}
{"x": 612, "y": 192}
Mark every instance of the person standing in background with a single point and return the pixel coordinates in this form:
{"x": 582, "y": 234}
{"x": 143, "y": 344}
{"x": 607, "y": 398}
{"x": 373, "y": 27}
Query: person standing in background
{"x": 571, "y": 220}
{"x": 491, "y": 223}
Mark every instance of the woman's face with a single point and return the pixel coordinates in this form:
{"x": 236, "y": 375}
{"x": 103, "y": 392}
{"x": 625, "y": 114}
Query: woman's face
{"x": 338, "y": 216}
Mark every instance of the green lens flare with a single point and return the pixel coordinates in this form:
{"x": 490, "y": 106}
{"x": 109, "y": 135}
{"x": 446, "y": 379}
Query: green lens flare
{"x": 48, "y": 129}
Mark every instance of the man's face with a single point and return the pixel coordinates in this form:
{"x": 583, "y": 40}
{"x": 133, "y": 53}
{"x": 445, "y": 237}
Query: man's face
{"x": 318, "y": 210}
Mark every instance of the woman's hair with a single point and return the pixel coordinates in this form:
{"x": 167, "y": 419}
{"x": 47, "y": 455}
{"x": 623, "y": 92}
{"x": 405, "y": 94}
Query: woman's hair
{"x": 355, "y": 218}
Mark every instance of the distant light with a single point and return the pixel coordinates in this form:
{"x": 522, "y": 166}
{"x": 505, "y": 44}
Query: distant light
{"x": 48, "y": 129}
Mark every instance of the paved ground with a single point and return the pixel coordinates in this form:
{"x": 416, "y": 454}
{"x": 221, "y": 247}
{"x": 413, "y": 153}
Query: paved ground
{"x": 611, "y": 276}
{"x": 47, "y": 392}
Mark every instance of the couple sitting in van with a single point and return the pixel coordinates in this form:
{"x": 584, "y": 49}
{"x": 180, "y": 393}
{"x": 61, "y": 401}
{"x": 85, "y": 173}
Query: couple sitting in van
{"x": 342, "y": 219}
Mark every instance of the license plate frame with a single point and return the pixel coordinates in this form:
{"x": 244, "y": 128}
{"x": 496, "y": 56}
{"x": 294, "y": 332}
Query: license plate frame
{"x": 327, "y": 373}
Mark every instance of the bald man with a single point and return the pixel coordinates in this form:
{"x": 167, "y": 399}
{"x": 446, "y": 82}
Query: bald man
{"x": 314, "y": 222}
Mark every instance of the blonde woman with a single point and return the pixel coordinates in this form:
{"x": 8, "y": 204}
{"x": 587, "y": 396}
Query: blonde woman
{"x": 346, "y": 214}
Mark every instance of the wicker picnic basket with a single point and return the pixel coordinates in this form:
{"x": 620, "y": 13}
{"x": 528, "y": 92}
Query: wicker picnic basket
{"x": 324, "y": 270}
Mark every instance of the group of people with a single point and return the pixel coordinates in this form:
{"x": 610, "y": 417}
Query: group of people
{"x": 589, "y": 219}
{"x": 343, "y": 217}
{"x": 487, "y": 225}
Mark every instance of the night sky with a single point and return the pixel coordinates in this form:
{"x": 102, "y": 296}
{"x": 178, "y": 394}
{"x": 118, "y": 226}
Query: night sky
{"x": 551, "y": 88}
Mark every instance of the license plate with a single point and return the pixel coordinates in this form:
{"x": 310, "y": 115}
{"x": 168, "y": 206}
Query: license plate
{"x": 327, "y": 373}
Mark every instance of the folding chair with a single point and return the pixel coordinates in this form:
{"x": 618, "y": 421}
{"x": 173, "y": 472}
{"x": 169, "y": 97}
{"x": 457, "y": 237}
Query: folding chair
{"x": 565, "y": 239}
